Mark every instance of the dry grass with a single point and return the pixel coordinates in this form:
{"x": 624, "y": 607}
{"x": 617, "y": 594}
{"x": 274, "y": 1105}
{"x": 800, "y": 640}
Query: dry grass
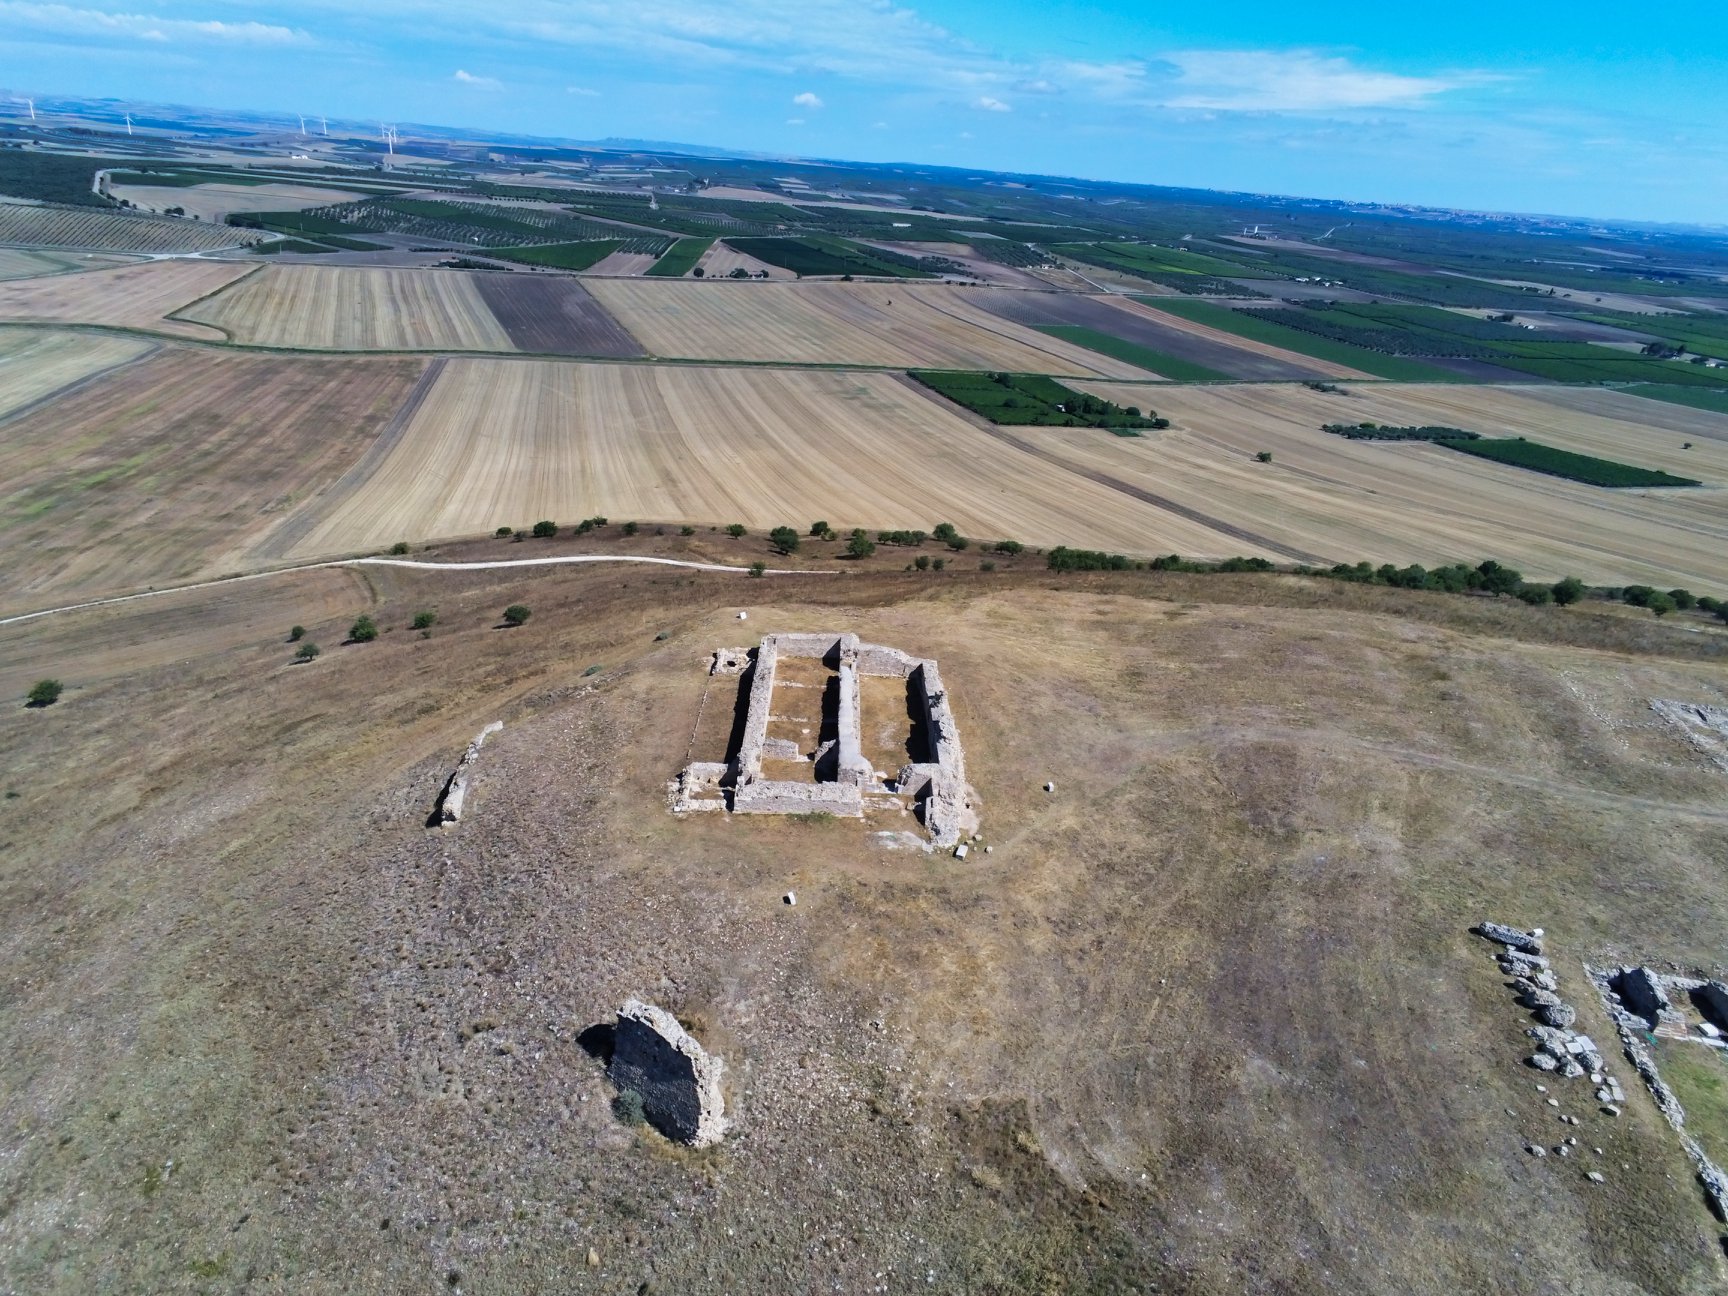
{"x": 29, "y": 263}
{"x": 133, "y": 296}
{"x": 212, "y": 202}
{"x": 500, "y": 442}
{"x": 175, "y": 467}
{"x": 350, "y": 308}
{"x": 833, "y": 323}
{"x": 1206, "y": 1020}
{"x": 35, "y": 365}
{"x": 1342, "y": 501}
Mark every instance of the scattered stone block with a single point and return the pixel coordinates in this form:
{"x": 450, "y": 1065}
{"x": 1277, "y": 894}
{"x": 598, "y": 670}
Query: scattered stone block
{"x": 1595, "y": 1177}
{"x": 790, "y": 898}
{"x": 1510, "y": 937}
{"x": 960, "y": 851}
{"x": 678, "y": 1080}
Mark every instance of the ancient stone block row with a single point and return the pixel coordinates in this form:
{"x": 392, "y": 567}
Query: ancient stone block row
{"x": 456, "y": 791}
{"x": 678, "y": 1081}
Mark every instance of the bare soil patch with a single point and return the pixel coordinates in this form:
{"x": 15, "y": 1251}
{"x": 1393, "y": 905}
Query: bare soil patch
{"x": 555, "y": 315}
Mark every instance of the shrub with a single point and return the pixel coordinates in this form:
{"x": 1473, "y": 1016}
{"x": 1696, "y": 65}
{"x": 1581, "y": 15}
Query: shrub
{"x": 1536, "y": 595}
{"x": 819, "y": 529}
{"x": 1683, "y": 599}
{"x": 627, "y": 1107}
{"x": 630, "y": 528}
{"x": 686, "y": 530}
{"x": 785, "y": 539}
{"x": 307, "y": 651}
{"x": 922, "y": 562}
{"x": 737, "y": 531}
{"x": 1498, "y": 580}
{"x": 516, "y": 614}
{"x": 424, "y": 620}
{"x": 45, "y": 692}
{"x": 940, "y": 563}
{"x": 502, "y": 531}
{"x": 1265, "y": 456}
{"x": 296, "y": 634}
{"x": 860, "y": 545}
{"x": 958, "y": 542}
{"x": 364, "y": 629}
{"x": 400, "y": 547}
{"x": 1660, "y": 604}
{"x": 1708, "y": 604}
{"x": 1637, "y": 595}
{"x": 1567, "y": 592}
{"x": 986, "y": 565}
{"x": 944, "y": 531}
{"x": 545, "y": 530}
{"x": 1009, "y": 547}
{"x": 757, "y": 568}
{"x": 1062, "y": 558}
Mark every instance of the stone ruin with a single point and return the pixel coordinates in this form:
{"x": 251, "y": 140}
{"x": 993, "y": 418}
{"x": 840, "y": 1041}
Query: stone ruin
{"x": 1705, "y": 727}
{"x": 456, "y": 790}
{"x": 779, "y": 774}
{"x": 677, "y": 1080}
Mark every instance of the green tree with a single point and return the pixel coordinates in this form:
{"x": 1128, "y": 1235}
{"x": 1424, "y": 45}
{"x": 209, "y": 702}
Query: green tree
{"x": 424, "y": 620}
{"x": 757, "y": 568}
{"x": 400, "y": 547}
{"x": 860, "y": 545}
{"x": 306, "y": 651}
{"x": 1567, "y": 592}
{"x": 686, "y": 530}
{"x": 1660, "y": 604}
{"x": 785, "y": 539}
{"x": 516, "y": 614}
{"x": 296, "y": 634}
{"x": 922, "y": 562}
{"x": 944, "y": 531}
{"x": 630, "y": 528}
{"x": 45, "y": 692}
{"x": 364, "y": 629}
{"x": 737, "y": 531}
{"x": 939, "y": 563}
{"x": 1265, "y": 456}
{"x": 545, "y": 530}
{"x": 1009, "y": 547}
{"x": 819, "y": 529}
{"x": 1684, "y": 599}
{"x": 1498, "y": 580}
{"x": 502, "y": 531}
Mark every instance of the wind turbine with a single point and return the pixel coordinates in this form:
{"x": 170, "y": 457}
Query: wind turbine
{"x": 389, "y": 134}
{"x": 128, "y": 123}
{"x": 325, "y": 122}
{"x": 302, "y": 125}
{"x": 32, "y": 106}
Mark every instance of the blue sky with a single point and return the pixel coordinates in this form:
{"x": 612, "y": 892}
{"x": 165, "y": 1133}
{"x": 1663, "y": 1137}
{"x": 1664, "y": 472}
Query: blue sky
{"x": 1590, "y": 109}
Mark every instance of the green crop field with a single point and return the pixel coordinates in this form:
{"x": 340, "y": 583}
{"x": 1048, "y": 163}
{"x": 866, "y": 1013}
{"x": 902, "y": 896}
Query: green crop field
{"x": 48, "y": 177}
{"x": 1714, "y": 399}
{"x": 1187, "y": 272}
{"x": 1023, "y": 400}
{"x": 1588, "y": 469}
{"x": 563, "y": 256}
{"x": 820, "y": 255}
{"x": 1397, "y": 368}
{"x": 1167, "y": 366}
{"x": 681, "y": 258}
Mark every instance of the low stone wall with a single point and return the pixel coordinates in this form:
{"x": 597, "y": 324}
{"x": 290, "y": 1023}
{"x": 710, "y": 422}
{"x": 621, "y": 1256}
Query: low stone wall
{"x": 764, "y": 797}
{"x": 456, "y": 791}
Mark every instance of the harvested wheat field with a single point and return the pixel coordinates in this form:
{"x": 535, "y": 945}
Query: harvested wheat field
{"x": 355, "y": 308}
{"x": 93, "y": 229}
{"x": 212, "y": 202}
{"x": 721, "y": 259}
{"x": 832, "y": 323}
{"x": 1208, "y": 1021}
{"x": 38, "y": 365}
{"x": 502, "y": 442}
{"x": 1336, "y": 500}
{"x": 138, "y": 296}
{"x": 174, "y": 467}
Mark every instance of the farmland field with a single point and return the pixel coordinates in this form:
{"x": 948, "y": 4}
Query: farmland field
{"x": 556, "y": 316}
{"x": 1403, "y": 503}
{"x": 1165, "y": 366}
{"x": 1589, "y": 469}
{"x": 352, "y": 308}
{"x": 110, "y": 231}
{"x": 137, "y": 296}
{"x": 37, "y": 365}
{"x": 1252, "y": 327}
{"x": 177, "y": 466}
{"x": 681, "y": 258}
{"x": 503, "y": 443}
{"x": 560, "y": 256}
{"x": 29, "y": 263}
{"x": 867, "y": 324}
{"x": 1703, "y": 398}
{"x": 212, "y": 202}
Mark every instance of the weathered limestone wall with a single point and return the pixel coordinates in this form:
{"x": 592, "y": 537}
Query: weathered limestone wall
{"x": 679, "y": 1081}
{"x": 456, "y": 792}
{"x": 853, "y": 768}
{"x": 765, "y": 797}
{"x": 749, "y": 760}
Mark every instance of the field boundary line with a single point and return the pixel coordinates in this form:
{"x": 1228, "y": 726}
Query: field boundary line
{"x": 408, "y": 562}
{"x": 79, "y": 384}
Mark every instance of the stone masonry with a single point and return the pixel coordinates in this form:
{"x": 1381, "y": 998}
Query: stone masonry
{"x": 677, "y": 1079}
{"x": 456, "y": 791}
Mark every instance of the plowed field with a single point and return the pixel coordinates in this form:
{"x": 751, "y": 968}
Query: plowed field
{"x": 556, "y": 315}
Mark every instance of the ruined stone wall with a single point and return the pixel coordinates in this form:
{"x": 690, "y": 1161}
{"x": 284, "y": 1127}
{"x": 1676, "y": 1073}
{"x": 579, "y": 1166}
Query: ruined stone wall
{"x": 765, "y": 797}
{"x": 949, "y": 810}
{"x": 678, "y": 1080}
{"x": 853, "y": 768}
{"x": 874, "y": 659}
{"x": 749, "y": 759}
{"x": 456, "y": 792}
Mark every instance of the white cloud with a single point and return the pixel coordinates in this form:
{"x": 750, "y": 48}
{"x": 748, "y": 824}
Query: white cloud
{"x": 584, "y": 91}
{"x": 1294, "y": 81}
{"x": 87, "y": 24}
{"x": 807, "y": 100}
{"x": 984, "y": 103}
{"x": 478, "y": 82}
